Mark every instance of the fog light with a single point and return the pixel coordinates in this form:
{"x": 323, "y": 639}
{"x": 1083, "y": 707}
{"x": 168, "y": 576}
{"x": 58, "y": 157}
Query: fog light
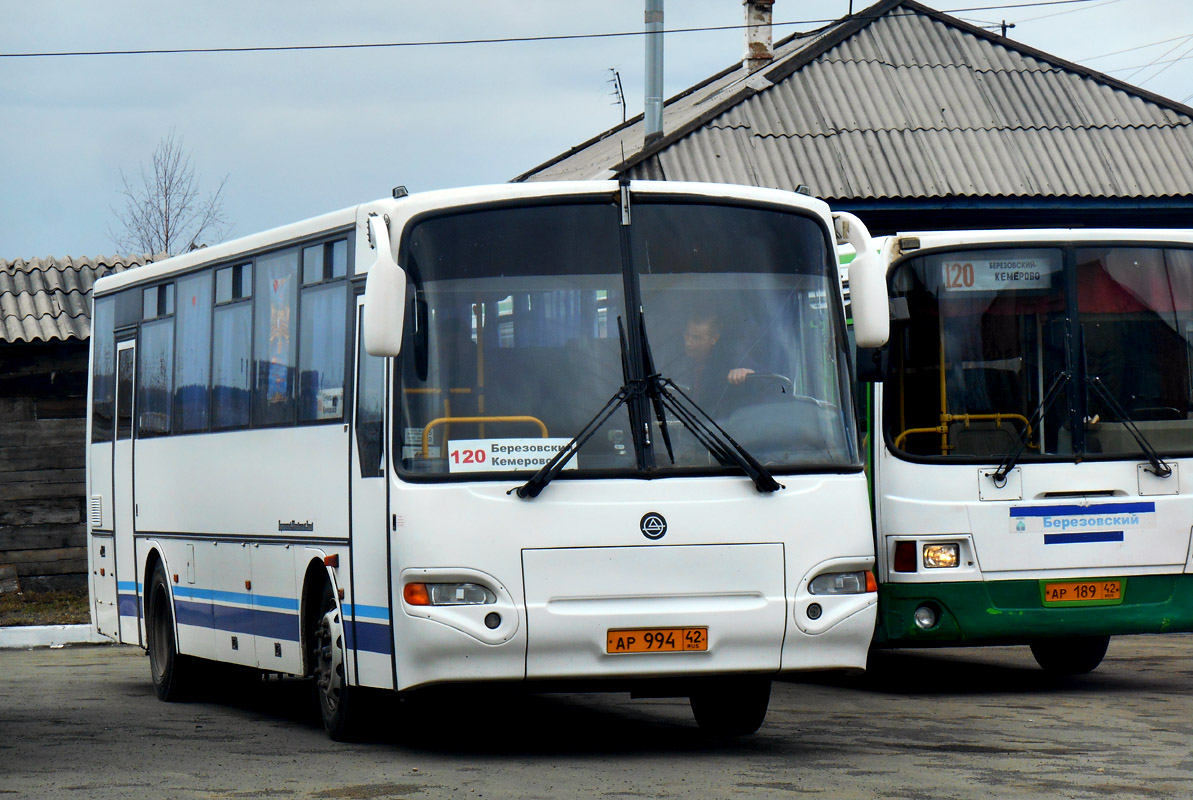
{"x": 492, "y": 620}
{"x": 937, "y": 556}
{"x": 925, "y": 617}
{"x": 814, "y": 611}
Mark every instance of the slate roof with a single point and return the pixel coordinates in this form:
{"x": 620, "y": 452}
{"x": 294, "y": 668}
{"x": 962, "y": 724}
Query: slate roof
{"x": 902, "y": 101}
{"x": 48, "y": 299}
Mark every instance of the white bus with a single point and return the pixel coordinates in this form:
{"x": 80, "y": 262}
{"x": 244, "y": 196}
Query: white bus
{"x": 586, "y": 434}
{"x": 1032, "y": 440}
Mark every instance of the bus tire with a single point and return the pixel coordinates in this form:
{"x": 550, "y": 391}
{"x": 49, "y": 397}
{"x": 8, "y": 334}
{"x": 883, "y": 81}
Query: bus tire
{"x": 731, "y": 707}
{"x": 174, "y": 677}
{"x": 336, "y": 700}
{"x": 1073, "y": 656}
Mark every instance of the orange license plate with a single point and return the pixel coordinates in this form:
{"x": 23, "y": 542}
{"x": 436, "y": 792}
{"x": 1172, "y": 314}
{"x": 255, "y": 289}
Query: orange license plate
{"x": 1100, "y": 592}
{"x": 656, "y": 640}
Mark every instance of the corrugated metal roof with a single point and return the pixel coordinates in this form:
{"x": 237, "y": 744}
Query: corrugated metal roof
{"x": 49, "y": 299}
{"x": 901, "y": 101}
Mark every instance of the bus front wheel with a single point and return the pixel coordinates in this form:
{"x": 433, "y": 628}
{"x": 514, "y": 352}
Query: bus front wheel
{"x": 731, "y": 707}
{"x": 172, "y": 672}
{"x": 1073, "y": 656}
{"x": 335, "y": 698}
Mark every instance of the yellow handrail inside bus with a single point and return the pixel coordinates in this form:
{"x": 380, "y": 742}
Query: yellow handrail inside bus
{"x": 945, "y": 419}
{"x": 449, "y": 420}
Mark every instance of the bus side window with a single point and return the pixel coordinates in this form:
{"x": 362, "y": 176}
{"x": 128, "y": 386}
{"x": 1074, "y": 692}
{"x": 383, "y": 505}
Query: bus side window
{"x": 275, "y": 342}
{"x": 155, "y": 379}
{"x": 231, "y": 347}
{"x": 322, "y": 334}
{"x": 103, "y": 396}
{"x": 192, "y": 359}
{"x": 370, "y": 405}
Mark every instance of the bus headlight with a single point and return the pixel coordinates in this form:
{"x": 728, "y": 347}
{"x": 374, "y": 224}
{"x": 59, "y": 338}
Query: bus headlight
{"x": 843, "y": 583}
{"x": 937, "y": 556}
{"x": 447, "y": 594}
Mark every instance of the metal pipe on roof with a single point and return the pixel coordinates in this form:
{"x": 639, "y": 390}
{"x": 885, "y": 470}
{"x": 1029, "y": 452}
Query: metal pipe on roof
{"x": 653, "y": 114}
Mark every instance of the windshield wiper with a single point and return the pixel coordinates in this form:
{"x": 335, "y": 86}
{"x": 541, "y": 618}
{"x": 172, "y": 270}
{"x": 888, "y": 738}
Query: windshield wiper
{"x": 657, "y": 388}
{"x": 1160, "y": 467}
{"x": 629, "y": 389}
{"x": 710, "y": 434}
{"x": 714, "y": 438}
{"x": 999, "y": 476}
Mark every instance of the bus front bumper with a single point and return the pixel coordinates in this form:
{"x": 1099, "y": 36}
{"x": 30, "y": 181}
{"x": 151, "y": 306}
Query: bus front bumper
{"x": 1014, "y": 612}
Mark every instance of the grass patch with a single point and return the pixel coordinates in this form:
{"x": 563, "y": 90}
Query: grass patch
{"x": 70, "y": 607}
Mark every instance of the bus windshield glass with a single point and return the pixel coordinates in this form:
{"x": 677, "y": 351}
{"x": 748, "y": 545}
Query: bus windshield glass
{"x": 519, "y": 334}
{"x": 1062, "y": 349}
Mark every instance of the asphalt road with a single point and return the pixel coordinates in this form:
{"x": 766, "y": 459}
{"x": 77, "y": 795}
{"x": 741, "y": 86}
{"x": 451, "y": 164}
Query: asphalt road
{"x": 83, "y": 722}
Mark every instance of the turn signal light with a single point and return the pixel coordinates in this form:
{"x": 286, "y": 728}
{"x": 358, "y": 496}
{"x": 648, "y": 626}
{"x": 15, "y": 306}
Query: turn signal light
{"x": 905, "y": 560}
{"x": 416, "y": 594}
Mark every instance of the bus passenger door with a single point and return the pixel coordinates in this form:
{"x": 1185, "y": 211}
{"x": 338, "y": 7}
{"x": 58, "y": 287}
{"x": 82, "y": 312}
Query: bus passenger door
{"x": 101, "y": 549}
{"x": 370, "y": 624}
{"x": 123, "y": 501}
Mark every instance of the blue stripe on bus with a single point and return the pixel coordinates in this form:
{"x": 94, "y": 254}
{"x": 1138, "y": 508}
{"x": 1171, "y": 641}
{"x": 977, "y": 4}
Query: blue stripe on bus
{"x": 208, "y": 608}
{"x": 127, "y": 605}
{"x": 128, "y": 586}
{"x": 234, "y": 619}
{"x": 1074, "y": 511}
{"x": 369, "y": 612}
{"x": 239, "y": 598}
{"x": 369, "y": 637}
{"x": 1079, "y": 538}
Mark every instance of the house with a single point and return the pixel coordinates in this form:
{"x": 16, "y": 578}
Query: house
{"x": 45, "y": 321}
{"x": 913, "y": 119}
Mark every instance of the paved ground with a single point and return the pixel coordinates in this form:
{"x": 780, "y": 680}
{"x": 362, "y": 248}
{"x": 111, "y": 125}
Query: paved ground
{"x": 82, "y": 722}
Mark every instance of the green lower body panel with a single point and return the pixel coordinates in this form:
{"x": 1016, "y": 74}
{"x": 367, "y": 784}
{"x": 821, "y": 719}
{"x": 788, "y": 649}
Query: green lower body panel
{"x": 1013, "y": 612}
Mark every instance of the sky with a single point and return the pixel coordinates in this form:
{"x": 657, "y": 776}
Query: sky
{"x": 299, "y": 134}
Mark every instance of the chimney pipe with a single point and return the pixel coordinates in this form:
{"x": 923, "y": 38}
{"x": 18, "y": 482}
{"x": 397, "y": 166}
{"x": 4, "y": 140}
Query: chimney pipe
{"x": 653, "y": 114}
{"x": 759, "y": 52}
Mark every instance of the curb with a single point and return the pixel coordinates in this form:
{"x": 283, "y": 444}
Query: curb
{"x": 26, "y": 636}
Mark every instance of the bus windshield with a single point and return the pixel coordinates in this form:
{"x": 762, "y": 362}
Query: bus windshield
{"x": 520, "y": 332}
{"x": 1063, "y": 348}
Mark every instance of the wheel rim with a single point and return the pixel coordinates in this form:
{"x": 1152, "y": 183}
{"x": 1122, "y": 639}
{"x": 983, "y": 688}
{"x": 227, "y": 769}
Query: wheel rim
{"x": 329, "y": 667}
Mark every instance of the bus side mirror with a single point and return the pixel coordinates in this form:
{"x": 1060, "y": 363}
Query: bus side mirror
{"x": 867, "y": 283}
{"x": 385, "y": 295}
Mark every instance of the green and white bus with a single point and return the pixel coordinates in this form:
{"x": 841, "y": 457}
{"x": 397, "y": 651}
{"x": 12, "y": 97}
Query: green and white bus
{"x": 1031, "y": 440}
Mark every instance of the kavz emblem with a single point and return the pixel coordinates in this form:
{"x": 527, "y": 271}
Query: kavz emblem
{"x": 653, "y": 526}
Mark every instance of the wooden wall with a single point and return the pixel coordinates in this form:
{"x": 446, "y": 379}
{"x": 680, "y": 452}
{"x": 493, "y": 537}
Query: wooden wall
{"x": 43, "y": 391}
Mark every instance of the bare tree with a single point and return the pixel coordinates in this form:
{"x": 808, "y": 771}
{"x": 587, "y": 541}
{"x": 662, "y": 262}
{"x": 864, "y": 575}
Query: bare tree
{"x": 165, "y": 212}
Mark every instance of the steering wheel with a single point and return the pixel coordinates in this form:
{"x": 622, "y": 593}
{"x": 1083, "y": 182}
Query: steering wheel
{"x": 768, "y": 382}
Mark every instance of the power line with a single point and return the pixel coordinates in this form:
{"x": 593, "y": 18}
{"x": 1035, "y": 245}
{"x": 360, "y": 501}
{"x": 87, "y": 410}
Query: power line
{"x": 1155, "y": 61}
{"x": 1133, "y": 49}
{"x": 1158, "y": 73}
{"x": 1139, "y": 68}
{"x": 500, "y": 40}
{"x": 1070, "y": 11}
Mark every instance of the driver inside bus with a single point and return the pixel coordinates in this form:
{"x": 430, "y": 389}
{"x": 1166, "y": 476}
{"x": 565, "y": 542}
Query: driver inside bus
{"x": 707, "y": 368}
